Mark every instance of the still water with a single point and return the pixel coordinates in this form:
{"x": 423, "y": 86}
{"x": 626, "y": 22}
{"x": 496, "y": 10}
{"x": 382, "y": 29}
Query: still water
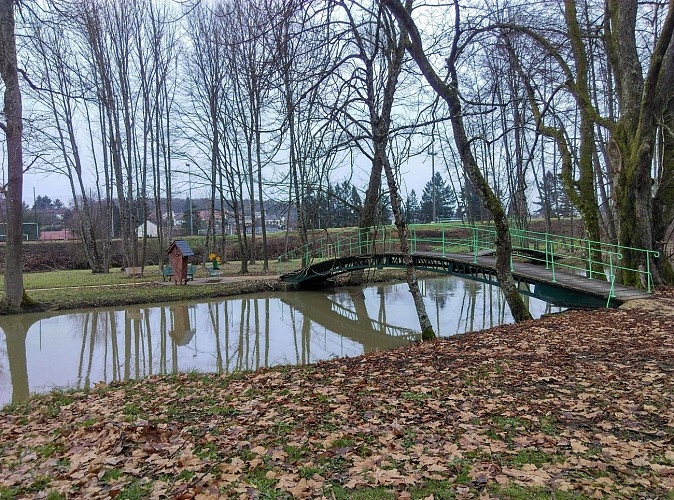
{"x": 40, "y": 352}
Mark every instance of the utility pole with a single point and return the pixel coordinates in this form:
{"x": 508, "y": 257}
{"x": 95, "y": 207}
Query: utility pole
{"x": 37, "y": 226}
{"x": 189, "y": 182}
{"x": 435, "y": 218}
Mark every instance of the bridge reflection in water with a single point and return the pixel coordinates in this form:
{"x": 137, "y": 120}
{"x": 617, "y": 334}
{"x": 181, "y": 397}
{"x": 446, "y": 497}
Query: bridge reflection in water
{"x": 77, "y": 350}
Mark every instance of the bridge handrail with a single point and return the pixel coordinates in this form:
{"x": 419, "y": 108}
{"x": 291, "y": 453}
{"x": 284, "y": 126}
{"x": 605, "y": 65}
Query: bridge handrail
{"x": 595, "y": 258}
{"x": 611, "y": 253}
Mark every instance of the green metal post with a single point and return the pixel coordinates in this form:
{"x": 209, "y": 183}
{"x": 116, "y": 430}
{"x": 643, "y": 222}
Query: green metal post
{"x": 474, "y": 245}
{"x": 589, "y": 256}
{"x": 414, "y": 239}
{"x": 611, "y": 293}
{"x": 443, "y": 240}
{"x": 552, "y": 261}
{"x": 547, "y": 256}
{"x": 648, "y": 270}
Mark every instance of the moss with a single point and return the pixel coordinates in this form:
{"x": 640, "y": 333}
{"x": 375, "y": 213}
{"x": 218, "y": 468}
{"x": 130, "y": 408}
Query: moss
{"x": 427, "y": 335}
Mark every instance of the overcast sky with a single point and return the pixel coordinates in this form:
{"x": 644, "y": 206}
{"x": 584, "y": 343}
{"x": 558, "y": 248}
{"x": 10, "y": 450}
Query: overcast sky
{"x": 415, "y": 175}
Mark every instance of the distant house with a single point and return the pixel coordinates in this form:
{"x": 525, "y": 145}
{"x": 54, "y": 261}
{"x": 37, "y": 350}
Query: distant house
{"x": 64, "y": 234}
{"x": 152, "y": 231}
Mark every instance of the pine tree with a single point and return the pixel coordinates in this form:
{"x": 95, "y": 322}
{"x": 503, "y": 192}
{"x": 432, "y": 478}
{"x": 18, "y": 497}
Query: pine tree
{"x": 445, "y": 201}
{"x": 555, "y": 198}
{"x": 412, "y": 208}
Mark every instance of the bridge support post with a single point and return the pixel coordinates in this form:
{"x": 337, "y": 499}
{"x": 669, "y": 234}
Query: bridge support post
{"x": 443, "y": 239}
{"x": 474, "y": 231}
{"x": 589, "y": 258}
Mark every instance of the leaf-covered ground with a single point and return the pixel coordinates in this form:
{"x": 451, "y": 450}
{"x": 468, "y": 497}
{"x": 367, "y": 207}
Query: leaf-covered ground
{"x": 576, "y": 405}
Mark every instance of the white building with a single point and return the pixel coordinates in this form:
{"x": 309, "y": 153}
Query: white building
{"x": 151, "y": 230}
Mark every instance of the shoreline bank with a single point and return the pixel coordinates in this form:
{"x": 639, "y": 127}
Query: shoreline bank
{"x": 578, "y": 404}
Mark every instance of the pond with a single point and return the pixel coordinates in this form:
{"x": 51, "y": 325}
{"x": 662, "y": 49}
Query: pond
{"x": 40, "y": 352}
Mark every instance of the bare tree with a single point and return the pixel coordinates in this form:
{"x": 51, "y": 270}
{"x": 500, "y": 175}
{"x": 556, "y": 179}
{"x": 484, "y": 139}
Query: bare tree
{"x": 380, "y": 54}
{"x": 449, "y": 92}
{"x": 14, "y": 298}
{"x": 303, "y": 61}
{"x": 60, "y": 76}
{"x": 632, "y": 105}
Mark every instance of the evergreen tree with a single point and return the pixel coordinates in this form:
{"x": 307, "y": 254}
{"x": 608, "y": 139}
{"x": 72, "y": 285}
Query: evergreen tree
{"x": 445, "y": 201}
{"x": 472, "y": 206}
{"x": 43, "y": 203}
{"x": 555, "y": 198}
{"x": 345, "y": 204}
{"x": 412, "y": 208}
{"x": 383, "y": 213}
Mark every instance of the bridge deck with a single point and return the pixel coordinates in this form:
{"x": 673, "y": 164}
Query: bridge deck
{"x": 537, "y": 273}
{"x": 566, "y": 288}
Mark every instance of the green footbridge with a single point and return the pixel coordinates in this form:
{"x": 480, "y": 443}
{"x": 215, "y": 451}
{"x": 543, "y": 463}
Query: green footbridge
{"x": 564, "y": 270}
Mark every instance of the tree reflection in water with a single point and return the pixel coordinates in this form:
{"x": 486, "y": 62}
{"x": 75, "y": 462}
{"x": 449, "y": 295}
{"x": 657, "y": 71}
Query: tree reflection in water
{"x": 79, "y": 350}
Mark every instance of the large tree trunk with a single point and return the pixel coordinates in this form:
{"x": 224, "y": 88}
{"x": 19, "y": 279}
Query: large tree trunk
{"x": 367, "y": 214}
{"x": 449, "y": 93}
{"x": 633, "y": 137}
{"x": 13, "y": 126}
{"x": 663, "y": 202}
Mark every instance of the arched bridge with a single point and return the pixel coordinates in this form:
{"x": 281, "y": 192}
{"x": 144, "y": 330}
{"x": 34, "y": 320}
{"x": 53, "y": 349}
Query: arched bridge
{"x": 564, "y": 270}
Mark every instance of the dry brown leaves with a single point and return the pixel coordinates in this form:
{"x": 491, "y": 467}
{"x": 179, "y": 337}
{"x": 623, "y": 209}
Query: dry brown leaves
{"x": 580, "y": 402}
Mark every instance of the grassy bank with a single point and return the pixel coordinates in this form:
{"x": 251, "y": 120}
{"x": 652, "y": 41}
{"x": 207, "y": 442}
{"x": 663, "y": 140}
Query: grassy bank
{"x": 62, "y": 290}
{"x": 579, "y": 405}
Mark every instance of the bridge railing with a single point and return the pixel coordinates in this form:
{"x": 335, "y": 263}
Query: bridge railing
{"x": 596, "y": 260}
{"x": 352, "y": 242}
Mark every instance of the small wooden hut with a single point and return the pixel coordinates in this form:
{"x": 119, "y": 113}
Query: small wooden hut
{"x": 178, "y": 253}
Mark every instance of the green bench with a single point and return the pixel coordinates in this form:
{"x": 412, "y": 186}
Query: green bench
{"x": 213, "y": 273}
{"x": 191, "y": 271}
{"x": 167, "y": 273}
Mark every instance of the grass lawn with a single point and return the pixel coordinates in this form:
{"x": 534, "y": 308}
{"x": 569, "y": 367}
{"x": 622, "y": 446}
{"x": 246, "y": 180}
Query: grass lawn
{"x": 81, "y": 288}
{"x": 61, "y": 290}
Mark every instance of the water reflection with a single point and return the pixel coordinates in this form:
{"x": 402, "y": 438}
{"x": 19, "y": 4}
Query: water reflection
{"x": 79, "y": 349}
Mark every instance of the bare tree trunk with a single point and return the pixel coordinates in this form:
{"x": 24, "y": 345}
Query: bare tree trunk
{"x": 258, "y": 158}
{"x": 425, "y": 324}
{"x": 449, "y": 93}
{"x": 13, "y": 299}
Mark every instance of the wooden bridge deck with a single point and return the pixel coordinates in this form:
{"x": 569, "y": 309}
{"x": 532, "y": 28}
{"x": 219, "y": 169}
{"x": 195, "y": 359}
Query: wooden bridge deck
{"x": 538, "y": 274}
{"x": 570, "y": 289}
